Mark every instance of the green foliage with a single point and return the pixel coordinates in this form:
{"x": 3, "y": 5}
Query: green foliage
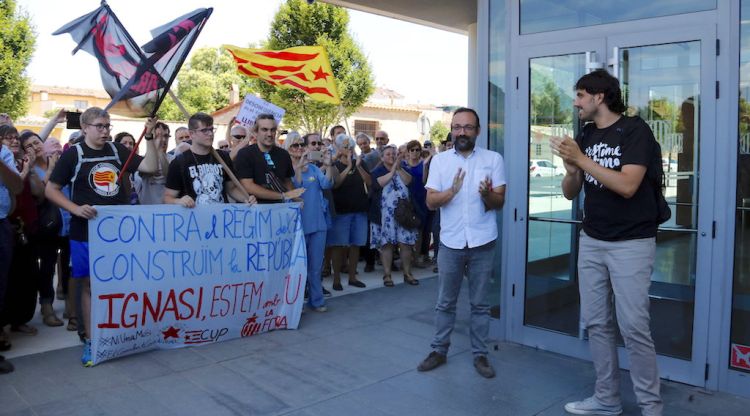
{"x": 438, "y": 132}
{"x": 300, "y": 24}
{"x": 17, "y": 40}
{"x": 204, "y": 84}
{"x": 549, "y": 104}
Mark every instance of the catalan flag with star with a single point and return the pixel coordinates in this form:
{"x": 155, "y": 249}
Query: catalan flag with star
{"x": 303, "y": 68}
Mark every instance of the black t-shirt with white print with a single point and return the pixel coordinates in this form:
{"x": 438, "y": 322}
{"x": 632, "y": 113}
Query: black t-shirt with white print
{"x": 607, "y": 215}
{"x": 95, "y": 183}
{"x": 269, "y": 170}
{"x": 200, "y": 176}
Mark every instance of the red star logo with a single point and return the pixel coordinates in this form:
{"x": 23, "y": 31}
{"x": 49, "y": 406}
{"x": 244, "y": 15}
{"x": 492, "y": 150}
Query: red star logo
{"x": 172, "y": 332}
{"x": 321, "y": 74}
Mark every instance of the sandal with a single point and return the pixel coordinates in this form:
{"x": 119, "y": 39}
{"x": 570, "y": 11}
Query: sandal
{"x": 72, "y": 324}
{"x": 410, "y": 280}
{"x": 387, "y": 281}
{"x": 24, "y": 329}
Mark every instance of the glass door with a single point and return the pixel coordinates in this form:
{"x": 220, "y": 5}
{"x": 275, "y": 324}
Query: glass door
{"x": 668, "y": 81}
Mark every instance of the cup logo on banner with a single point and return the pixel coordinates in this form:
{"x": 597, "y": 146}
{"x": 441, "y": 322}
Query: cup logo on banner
{"x": 163, "y": 276}
{"x": 253, "y": 106}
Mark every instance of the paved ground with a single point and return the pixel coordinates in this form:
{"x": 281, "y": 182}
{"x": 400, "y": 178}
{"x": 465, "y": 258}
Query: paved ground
{"x": 357, "y": 359}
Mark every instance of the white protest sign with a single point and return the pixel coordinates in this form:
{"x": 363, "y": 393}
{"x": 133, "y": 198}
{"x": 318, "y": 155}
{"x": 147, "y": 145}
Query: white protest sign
{"x": 164, "y": 276}
{"x": 253, "y": 106}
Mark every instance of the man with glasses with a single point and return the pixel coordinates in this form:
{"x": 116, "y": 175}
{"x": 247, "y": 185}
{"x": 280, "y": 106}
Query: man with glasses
{"x": 468, "y": 185}
{"x": 264, "y": 169}
{"x": 195, "y": 176}
{"x": 238, "y": 138}
{"x": 92, "y": 167}
{"x": 381, "y": 140}
{"x": 150, "y": 187}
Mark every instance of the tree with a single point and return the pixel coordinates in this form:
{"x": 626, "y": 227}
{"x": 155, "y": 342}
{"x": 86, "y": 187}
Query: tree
{"x": 204, "y": 84}
{"x": 298, "y": 23}
{"x": 17, "y": 40}
{"x": 438, "y": 132}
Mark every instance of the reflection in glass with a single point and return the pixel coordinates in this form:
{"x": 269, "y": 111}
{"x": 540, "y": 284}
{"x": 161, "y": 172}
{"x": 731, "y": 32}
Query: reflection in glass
{"x": 661, "y": 84}
{"x": 546, "y": 15}
{"x": 740, "y": 333}
{"x": 496, "y": 124}
{"x": 551, "y": 286}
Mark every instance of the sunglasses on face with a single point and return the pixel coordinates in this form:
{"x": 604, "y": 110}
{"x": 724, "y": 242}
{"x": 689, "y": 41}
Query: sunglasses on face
{"x": 316, "y": 143}
{"x": 416, "y": 149}
{"x": 296, "y": 145}
{"x": 224, "y": 146}
{"x": 238, "y": 136}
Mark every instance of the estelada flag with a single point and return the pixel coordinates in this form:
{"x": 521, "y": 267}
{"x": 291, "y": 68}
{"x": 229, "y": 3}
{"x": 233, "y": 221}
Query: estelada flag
{"x": 164, "y": 56}
{"x": 303, "y": 68}
{"x": 102, "y": 35}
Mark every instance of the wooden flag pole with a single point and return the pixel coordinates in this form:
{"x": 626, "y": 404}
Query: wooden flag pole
{"x": 213, "y": 152}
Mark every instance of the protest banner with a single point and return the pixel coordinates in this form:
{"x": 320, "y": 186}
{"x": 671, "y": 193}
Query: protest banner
{"x": 252, "y": 106}
{"x": 164, "y": 276}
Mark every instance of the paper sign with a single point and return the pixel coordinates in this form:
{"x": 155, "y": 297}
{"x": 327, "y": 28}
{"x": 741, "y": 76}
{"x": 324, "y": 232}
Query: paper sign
{"x": 253, "y": 106}
{"x": 164, "y": 276}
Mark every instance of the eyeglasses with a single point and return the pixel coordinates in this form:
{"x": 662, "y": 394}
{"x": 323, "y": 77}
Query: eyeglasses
{"x": 224, "y": 146}
{"x": 414, "y": 150}
{"x": 206, "y": 130}
{"x": 316, "y": 143}
{"x": 296, "y": 145}
{"x": 102, "y": 127}
{"x": 381, "y": 138}
{"x": 238, "y": 136}
{"x": 469, "y": 128}
{"x": 182, "y": 138}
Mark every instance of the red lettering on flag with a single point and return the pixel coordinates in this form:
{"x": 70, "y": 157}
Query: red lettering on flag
{"x": 148, "y": 82}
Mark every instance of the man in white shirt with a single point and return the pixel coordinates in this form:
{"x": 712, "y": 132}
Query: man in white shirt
{"x": 468, "y": 185}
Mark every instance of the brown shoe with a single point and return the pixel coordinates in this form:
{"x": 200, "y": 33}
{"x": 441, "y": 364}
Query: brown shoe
{"x": 483, "y": 367}
{"x": 434, "y": 360}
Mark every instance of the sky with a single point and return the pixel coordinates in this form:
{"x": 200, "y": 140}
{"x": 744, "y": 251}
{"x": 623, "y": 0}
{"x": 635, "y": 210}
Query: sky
{"x": 426, "y": 65}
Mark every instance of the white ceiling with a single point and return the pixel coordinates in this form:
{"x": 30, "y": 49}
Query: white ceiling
{"x": 451, "y": 15}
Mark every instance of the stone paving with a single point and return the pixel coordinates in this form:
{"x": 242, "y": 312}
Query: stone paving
{"x": 357, "y": 359}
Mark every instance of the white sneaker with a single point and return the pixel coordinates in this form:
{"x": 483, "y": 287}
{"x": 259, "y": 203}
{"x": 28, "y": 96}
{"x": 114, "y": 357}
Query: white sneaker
{"x": 591, "y": 406}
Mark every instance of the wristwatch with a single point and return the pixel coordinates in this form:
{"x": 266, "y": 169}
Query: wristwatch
{"x": 148, "y": 137}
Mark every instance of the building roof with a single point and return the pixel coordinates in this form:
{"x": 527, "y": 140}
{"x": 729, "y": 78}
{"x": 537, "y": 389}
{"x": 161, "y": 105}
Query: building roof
{"x": 85, "y": 92}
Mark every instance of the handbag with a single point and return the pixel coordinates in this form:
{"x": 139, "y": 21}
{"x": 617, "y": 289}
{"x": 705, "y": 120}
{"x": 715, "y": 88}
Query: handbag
{"x": 406, "y": 215}
{"x": 49, "y": 219}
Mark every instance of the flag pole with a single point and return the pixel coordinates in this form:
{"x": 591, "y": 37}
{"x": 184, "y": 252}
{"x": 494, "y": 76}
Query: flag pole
{"x": 213, "y": 152}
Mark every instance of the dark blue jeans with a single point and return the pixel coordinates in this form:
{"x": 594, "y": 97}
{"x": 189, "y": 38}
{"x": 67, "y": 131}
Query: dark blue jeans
{"x": 476, "y": 263}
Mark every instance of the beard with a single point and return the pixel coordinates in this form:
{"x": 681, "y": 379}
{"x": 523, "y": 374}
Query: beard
{"x": 464, "y": 143}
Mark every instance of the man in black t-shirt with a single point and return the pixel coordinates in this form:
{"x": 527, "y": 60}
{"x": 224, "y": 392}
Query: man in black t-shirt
{"x": 264, "y": 169}
{"x": 91, "y": 168}
{"x": 610, "y": 160}
{"x": 195, "y": 176}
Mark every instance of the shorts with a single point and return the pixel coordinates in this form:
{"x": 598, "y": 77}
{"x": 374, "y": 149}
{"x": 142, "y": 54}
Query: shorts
{"x": 79, "y": 259}
{"x": 348, "y": 230}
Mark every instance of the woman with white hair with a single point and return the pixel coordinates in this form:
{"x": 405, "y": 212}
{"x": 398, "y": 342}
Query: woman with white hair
{"x": 316, "y": 218}
{"x": 349, "y": 230}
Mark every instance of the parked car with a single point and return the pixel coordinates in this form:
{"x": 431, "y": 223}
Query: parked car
{"x": 543, "y": 167}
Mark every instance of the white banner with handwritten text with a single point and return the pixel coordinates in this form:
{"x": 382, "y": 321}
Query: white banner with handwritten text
{"x": 164, "y": 276}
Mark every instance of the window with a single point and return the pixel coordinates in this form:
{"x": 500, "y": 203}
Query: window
{"x": 80, "y": 104}
{"x": 538, "y": 149}
{"x": 546, "y": 15}
{"x": 367, "y": 127}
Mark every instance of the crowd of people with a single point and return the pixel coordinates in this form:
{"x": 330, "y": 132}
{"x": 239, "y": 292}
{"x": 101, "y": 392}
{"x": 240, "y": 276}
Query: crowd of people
{"x": 384, "y": 202}
{"x": 350, "y": 192}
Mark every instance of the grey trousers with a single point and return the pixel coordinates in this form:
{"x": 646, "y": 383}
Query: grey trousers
{"x": 622, "y": 268}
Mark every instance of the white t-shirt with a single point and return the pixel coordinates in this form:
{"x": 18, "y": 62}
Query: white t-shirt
{"x": 464, "y": 221}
